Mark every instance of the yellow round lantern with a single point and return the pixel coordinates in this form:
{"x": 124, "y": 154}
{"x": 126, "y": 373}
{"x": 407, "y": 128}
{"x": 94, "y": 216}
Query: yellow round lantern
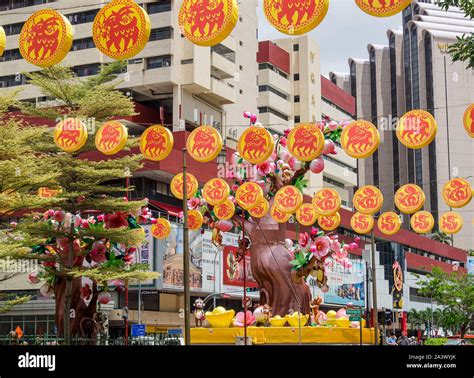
{"x": 256, "y": 145}
{"x": 70, "y": 135}
{"x": 46, "y": 38}
{"x": 389, "y": 223}
{"x": 360, "y": 139}
{"x": 288, "y": 199}
{"x": 279, "y": 216}
{"x": 409, "y": 198}
{"x": 248, "y": 195}
{"x": 121, "y": 29}
{"x": 295, "y": 17}
{"x": 451, "y": 222}
{"x": 204, "y": 144}
{"x": 457, "y": 192}
{"x": 177, "y": 186}
{"x": 3, "y": 40}
{"x": 362, "y": 223}
{"x": 327, "y": 201}
{"x": 216, "y": 191}
{"x": 156, "y": 143}
{"x": 260, "y": 210}
{"x": 468, "y": 120}
{"x": 195, "y": 220}
{"x": 208, "y": 22}
{"x": 368, "y": 200}
{"x": 44, "y": 192}
{"x": 305, "y": 142}
{"x": 111, "y": 137}
{"x": 329, "y": 222}
{"x": 422, "y": 222}
{"x": 161, "y": 229}
{"x": 382, "y": 8}
{"x": 225, "y": 210}
{"x": 416, "y": 129}
{"x": 306, "y": 214}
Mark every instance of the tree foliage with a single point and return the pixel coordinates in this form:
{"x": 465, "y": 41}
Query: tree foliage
{"x": 463, "y": 49}
{"x": 453, "y": 290}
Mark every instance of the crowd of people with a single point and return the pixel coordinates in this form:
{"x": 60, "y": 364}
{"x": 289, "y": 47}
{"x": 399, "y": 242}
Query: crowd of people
{"x": 402, "y": 340}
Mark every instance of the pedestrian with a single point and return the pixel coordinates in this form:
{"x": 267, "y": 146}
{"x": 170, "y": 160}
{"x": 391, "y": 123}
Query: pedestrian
{"x": 403, "y": 340}
{"x": 392, "y": 340}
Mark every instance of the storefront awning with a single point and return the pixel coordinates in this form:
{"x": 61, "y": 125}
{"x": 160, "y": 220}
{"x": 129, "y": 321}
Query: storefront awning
{"x": 170, "y": 209}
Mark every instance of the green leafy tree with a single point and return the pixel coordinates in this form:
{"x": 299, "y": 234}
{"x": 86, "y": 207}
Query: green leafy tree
{"x": 89, "y": 228}
{"x": 463, "y": 49}
{"x": 441, "y": 237}
{"x": 453, "y": 290}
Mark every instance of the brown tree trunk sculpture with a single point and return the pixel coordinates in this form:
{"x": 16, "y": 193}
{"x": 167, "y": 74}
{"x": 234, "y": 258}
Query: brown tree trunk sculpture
{"x": 280, "y": 287}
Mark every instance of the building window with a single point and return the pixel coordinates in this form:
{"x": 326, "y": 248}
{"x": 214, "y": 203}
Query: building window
{"x": 241, "y": 91}
{"x": 333, "y": 182}
{"x": 433, "y": 174}
{"x": 241, "y": 67}
{"x": 159, "y": 7}
{"x": 297, "y": 119}
{"x": 297, "y": 99}
{"x": 158, "y": 62}
{"x": 187, "y": 61}
{"x": 393, "y": 91}
{"x": 82, "y": 17}
{"x": 241, "y": 43}
{"x": 83, "y": 44}
{"x": 224, "y": 51}
{"x": 13, "y": 29}
{"x": 12, "y": 81}
{"x": 296, "y": 47}
{"x": 9, "y": 55}
{"x": 268, "y": 88}
{"x": 296, "y": 77}
{"x": 268, "y": 66}
{"x": 374, "y": 111}
{"x": 339, "y": 163}
{"x": 87, "y": 70}
{"x": 267, "y": 109}
{"x": 161, "y": 33}
{"x": 241, "y": 19}
{"x": 15, "y": 4}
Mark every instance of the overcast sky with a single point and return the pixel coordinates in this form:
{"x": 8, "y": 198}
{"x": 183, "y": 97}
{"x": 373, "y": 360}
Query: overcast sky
{"x": 345, "y": 32}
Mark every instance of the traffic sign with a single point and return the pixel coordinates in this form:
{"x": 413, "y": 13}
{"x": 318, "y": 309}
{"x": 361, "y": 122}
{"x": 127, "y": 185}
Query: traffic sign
{"x": 138, "y": 330}
{"x": 177, "y": 331}
{"x": 353, "y": 311}
{"x": 354, "y": 318}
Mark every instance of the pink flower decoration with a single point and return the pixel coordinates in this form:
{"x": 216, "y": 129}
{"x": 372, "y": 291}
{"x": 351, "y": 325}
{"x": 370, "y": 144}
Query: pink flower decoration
{"x": 104, "y": 298}
{"x": 101, "y": 218}
{"x": 265, "y": 168}
{"x": 240, "y": 319}
{"x": 332, "y": 126}
{"x": 303, "y": 239}
{"x": 317, "y": 165}
{"x": 323, "y": 246}
{"x": 320, "y": 126}
{"x": 353, "y": 246}
{"x": 116, "y": 220}
{"x": 33, "y": 278}
{"x": 314, "y": 231}
{"x": 98, "y": 252}
{"x": 329, "y": 147}
{"x": 287, "y": 132}
{"x": 283, "y": 142}
{"x": 59, "y": 216}
{"x": 194, "y": 203}
{"x": 86, "y": 292}
{"x": 357, "y": 239}
{"x": 153, "y": 221}
{"x": 336, "y": 247}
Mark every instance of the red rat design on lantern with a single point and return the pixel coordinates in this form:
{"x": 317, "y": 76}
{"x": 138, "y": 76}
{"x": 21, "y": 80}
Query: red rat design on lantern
{"x": 155, "y": 143}
{"x": 206, "y": 13}
{"x": 360, "y": 138}
{"x": 417, "y": 130}
{"x": 110, "y": 136}
{"x": 43, "y": 38}
{"x": 289, "y": 8}
{"x": 68, "y": 137}
{"x": 120, "y": 26}
{"x": 255, "y": 144}
{"x": 204, "y": 142}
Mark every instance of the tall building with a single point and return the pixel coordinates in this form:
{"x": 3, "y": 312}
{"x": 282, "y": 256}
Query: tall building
{"x": 192, "y": 84}
{"x": 189, "y": 85}
{"x": 292, "y": 91}
{"x": 414, "y": 70}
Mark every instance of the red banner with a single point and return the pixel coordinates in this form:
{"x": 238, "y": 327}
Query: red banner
{"x": 233, "y": 269}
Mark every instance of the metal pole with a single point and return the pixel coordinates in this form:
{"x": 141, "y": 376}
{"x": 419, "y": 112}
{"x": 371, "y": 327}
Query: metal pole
{"x": 374, "y": 293}
{"x": 245, "y": 277}
{"x": 360, "y": 324}
{"x": 187, "y": 295}
{"x": 127, "y": 195}
{"x": 214, "y": 301}
{"x": 384, "y": 327}
{"x": 139, "y": 302}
